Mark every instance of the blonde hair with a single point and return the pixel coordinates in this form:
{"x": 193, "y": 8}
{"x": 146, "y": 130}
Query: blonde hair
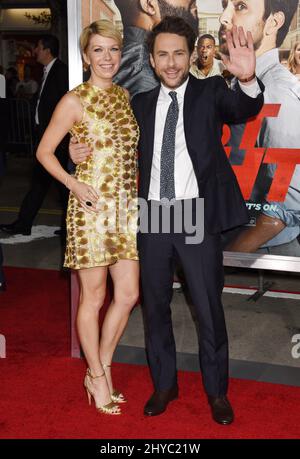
{"x": 102, "y": 27}
{"x": 292, "y": 66}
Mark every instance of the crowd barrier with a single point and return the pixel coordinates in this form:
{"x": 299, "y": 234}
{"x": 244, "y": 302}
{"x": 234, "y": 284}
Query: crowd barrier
{"x": 20, "y": 132}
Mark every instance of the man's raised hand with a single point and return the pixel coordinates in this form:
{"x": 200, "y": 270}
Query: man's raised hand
{"x": 241, "y": 61}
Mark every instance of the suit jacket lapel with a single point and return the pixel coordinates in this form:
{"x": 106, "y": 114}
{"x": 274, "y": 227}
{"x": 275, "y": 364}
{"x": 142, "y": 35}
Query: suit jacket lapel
{"x": 190, "y": 98}
{"x": 49, "y": 77}
{"x": 149, "y": 120}
{"x": 150, "y": 111}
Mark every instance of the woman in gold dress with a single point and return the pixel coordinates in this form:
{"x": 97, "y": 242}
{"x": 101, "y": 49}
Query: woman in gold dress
{"x": 101, "y": 217}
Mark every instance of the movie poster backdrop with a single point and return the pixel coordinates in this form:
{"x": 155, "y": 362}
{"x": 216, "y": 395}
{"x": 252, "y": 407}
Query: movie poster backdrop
{"x": 264, "y": 152}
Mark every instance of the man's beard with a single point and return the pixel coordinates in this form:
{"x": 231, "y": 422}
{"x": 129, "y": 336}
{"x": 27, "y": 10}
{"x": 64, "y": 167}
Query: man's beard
{"x": 168, "y": 10}
{"x": 223, "y": 43}
{"x": 179, "y": 83}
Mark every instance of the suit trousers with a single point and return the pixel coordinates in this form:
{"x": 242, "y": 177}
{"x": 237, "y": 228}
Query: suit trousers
{"x": 40, "y": 183}
{"x": 203, "y": 268}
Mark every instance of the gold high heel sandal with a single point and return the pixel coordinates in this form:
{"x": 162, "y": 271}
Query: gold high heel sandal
{"x": 111, "y": 408}
{"x": 116, "y": 395}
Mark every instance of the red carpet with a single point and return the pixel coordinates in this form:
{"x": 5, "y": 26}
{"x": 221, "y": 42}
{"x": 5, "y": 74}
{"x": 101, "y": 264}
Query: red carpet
{"x": 41, "y": 393}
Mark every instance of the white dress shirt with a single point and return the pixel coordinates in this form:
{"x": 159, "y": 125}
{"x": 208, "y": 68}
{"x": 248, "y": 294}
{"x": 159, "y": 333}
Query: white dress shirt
{"x": 47, "y": 69}
{"x": 186, "y": 186}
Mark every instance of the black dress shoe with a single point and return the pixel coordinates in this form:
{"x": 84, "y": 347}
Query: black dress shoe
{"x": 13, "y": 228}
{"x": 221, "y": 409}
{"x": 159, "y": 401}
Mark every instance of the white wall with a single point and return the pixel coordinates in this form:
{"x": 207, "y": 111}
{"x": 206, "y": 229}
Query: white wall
{"x": 2, "y": 86}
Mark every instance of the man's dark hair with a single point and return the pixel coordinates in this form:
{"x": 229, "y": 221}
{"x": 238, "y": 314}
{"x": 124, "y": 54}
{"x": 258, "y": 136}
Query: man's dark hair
{"x": 288, "y": 7}
{"x": 173, "y": 25}
{"x": 206, "y": 36}
{"x": 50, "y": 42}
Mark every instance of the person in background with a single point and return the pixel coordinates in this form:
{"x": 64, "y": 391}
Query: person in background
{"x": 206, "y": 64}
{"x": 12, "y": 79}
{"x": 294, "y": 60}
{"x": 54, "y": 85}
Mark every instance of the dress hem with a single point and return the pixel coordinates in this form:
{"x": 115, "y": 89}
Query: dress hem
{"x": 99, "y": 265}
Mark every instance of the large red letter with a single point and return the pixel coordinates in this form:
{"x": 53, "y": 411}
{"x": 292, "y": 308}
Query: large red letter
{"x": 246, "y": 173}
{"x": 286, "y": 161}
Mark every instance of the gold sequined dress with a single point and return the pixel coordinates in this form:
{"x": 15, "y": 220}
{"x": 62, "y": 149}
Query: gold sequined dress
{"x": 108, "y": 126}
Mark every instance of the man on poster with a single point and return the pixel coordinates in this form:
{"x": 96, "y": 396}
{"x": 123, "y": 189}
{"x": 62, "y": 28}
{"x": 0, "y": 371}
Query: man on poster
{"x": 206, "y": 64}
{"x": 138, "y": 18}
{"x": 276, "y": 231}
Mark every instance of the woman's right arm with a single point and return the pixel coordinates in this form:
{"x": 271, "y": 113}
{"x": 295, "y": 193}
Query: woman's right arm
{"x": 67, "y": 112}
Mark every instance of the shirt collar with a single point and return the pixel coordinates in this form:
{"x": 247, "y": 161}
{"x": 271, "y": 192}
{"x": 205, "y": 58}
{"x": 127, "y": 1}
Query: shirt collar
{"x": 48, "y": 66}
{"x": 164, "y": 91}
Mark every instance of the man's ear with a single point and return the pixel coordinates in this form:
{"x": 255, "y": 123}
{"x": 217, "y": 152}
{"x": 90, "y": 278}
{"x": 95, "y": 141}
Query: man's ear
{"x": 150, "y": 7}
{"x": 48, "y": 51}
{"x": 274, "y": 22}
{"x": 152, "y": 61}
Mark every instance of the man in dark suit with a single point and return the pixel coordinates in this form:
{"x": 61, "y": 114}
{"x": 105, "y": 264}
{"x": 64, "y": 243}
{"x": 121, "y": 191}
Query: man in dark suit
{"x": 181, "y": 159}
{"x": 53, "y": 86}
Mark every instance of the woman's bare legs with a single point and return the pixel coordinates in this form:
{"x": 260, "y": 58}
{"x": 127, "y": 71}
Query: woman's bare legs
{"x": 125, "y": 276}
{"x": 92, "y": 295}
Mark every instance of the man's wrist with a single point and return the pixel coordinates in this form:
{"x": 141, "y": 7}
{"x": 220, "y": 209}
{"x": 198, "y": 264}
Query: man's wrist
{"x": 249, "y": 79}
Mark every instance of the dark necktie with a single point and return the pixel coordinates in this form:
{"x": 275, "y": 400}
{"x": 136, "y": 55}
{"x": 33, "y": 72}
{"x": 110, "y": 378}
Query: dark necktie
{"x": 167, "y": 160}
